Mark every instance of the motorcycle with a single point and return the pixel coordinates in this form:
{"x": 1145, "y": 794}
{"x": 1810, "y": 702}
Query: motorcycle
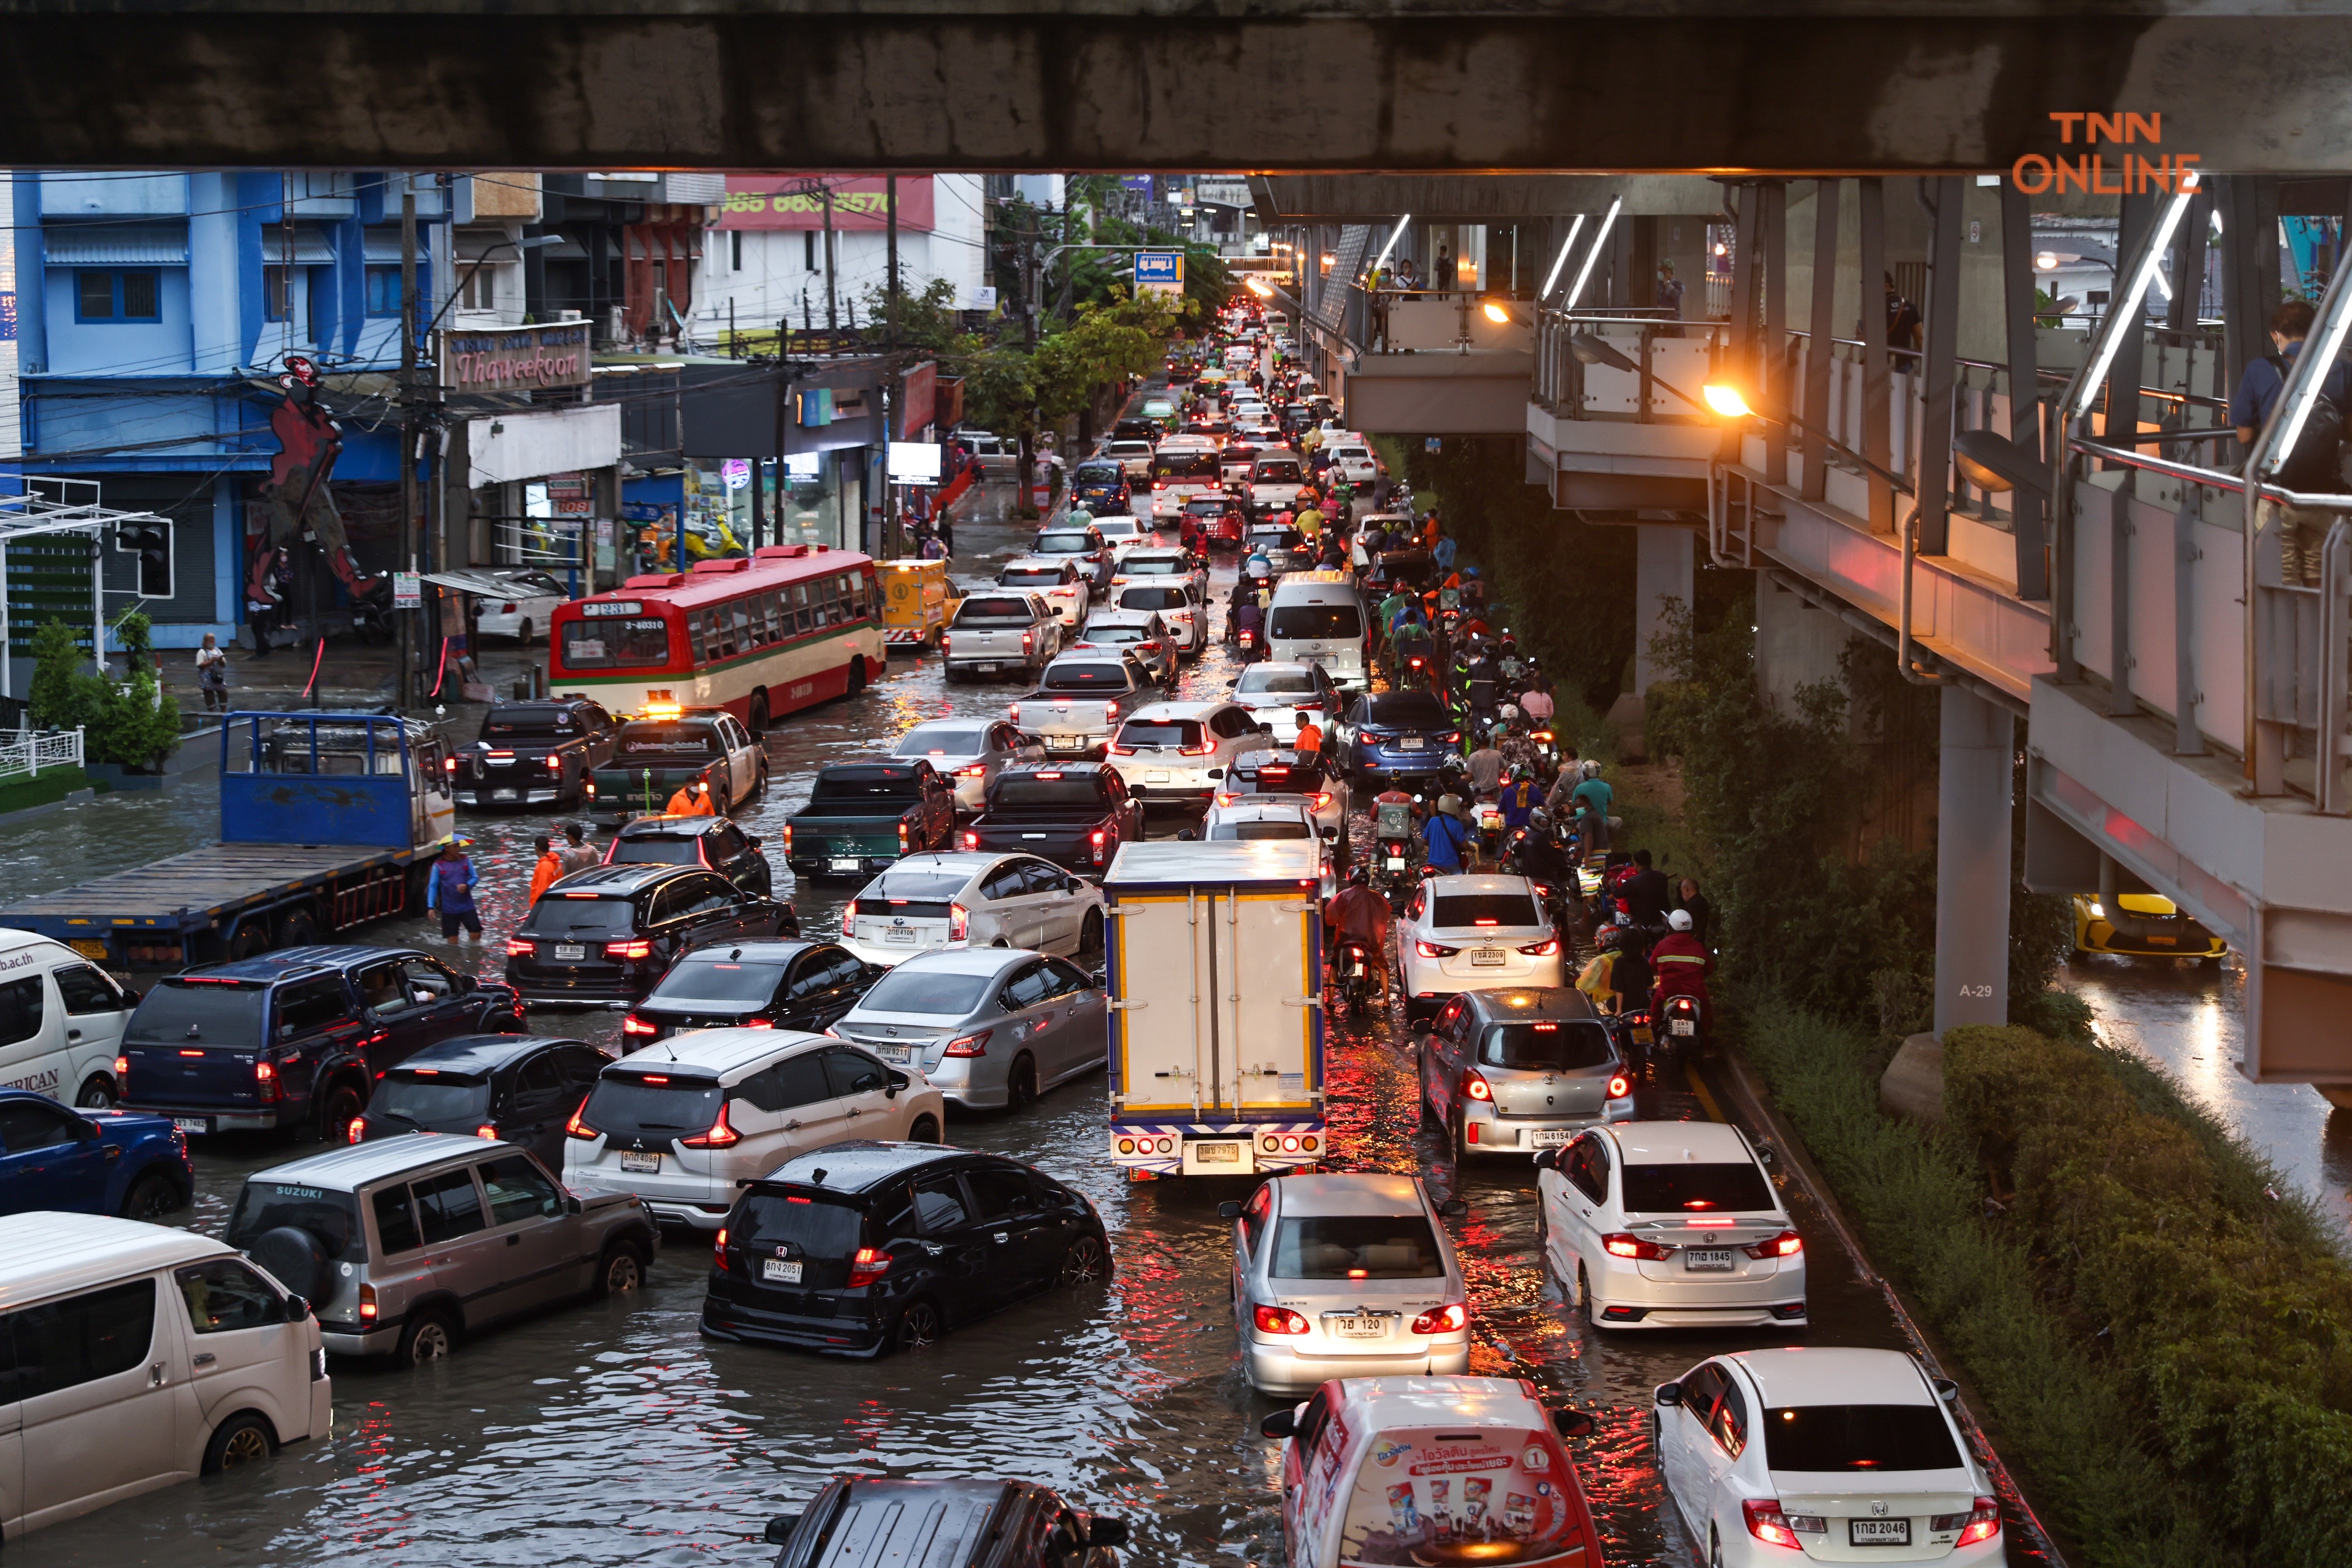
{"x": 1358, "y": 979}
{"x": 1396, "y": 853}
{"x": 1488, "y": 816}
{"x": 1679, "y": 1035}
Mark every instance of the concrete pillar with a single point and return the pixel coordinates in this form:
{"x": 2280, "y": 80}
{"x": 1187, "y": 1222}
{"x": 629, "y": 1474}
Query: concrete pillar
{"x": 1972, "y": 861}
{"x": 1666, "y": 558}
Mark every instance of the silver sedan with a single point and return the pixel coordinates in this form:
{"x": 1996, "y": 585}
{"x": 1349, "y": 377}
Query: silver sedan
{"x": 971, "y": 752}
{"x": 991, "y": 1027}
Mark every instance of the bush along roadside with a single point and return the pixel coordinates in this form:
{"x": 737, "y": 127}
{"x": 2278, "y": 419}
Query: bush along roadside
{"x": 2070, "y": 1423}
{"x": 2225, "y": 1315}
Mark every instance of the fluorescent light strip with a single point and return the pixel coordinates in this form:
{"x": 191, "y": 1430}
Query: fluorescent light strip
{"x": 1395, "y": 235}
{"x": 1561, "y": 259}
{"x": 1585, "y": 272}
{"x": 2124, "y": 315}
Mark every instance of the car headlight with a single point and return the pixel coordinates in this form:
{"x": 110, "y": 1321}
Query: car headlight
{"x": 2098, "y": 910}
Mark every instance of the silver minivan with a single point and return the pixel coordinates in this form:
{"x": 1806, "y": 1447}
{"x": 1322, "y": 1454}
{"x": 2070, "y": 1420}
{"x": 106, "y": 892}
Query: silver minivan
{"x": 143, "y": 1355}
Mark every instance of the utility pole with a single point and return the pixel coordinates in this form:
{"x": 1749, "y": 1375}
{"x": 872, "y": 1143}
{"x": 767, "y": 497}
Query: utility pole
{"x": 890, "y": 209}
{"x": 410, "y": 524}
{"x": 832, "y": 306}
{"x": 1028, "y": 466}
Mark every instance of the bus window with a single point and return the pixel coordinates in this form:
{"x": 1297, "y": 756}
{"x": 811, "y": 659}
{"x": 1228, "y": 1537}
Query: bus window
{"x": 765, "y": 620}
{"x": 821, "y": 602}
{"x": 739, "y": 612}
{"x": 801, "y": 621}
{"x": 608, "y": 644}
{"x": 697, "y": 623}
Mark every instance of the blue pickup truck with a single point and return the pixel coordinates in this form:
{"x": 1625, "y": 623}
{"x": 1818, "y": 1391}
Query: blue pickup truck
{"x": 90, "y": 1162}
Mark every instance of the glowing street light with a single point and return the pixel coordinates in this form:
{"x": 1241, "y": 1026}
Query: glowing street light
{"x": 1726, "y": 400}
{"x": 1495, "y": 313}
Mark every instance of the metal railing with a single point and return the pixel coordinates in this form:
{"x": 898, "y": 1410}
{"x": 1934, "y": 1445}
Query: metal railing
{"x": 1672, "y": 358}
{"x": 27, "y": 752}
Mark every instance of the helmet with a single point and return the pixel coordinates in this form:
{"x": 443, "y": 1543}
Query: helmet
{"x": 1679, "y": 919}
{"x": 1358, "y": 876}
{"x": 1451, "y": 804}
{"x": 1508, "y": 713}
{"x": 1539, "y": 820}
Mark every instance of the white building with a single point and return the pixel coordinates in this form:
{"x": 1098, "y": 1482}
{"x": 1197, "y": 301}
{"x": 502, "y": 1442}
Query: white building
{"x": 763, "y": 259}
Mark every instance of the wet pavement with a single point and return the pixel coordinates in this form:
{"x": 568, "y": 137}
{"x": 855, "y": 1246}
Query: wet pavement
{"x": 610, "y": 1431}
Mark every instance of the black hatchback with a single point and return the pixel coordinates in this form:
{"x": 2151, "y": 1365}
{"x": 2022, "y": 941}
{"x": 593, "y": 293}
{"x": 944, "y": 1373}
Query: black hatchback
{"x": 754, "y": 984}
{"x": 709, "y": 841}
{"x": 522, "y": 1088}
{"x": 861, "y": 1248}
{"x": 861, "y": 1519}
{"x": 606, "y": 935}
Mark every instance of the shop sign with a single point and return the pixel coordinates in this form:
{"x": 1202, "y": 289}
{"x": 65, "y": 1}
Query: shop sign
{"x": 513, "y": 359}
{"x": 407, "y": 591}
{"x": 736, "y": 472}
{"x": 915, "y": 462}
{"x": 571, "y": 495}
{"x": 798, "y": 202}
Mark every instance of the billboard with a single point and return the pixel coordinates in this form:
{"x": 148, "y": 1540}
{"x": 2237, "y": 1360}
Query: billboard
{"x": 797, "y": 202}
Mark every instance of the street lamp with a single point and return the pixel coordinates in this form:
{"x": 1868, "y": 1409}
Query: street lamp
{"x": 1726, "y": 399}
{"x": 1494, "y": 311}
{"x": 1992, "y": 461}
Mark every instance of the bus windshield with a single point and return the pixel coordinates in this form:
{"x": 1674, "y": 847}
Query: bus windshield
{"x": 635, "y": 643}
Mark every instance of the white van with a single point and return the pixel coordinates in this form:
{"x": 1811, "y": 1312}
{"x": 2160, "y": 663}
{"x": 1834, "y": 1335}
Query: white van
{"x": 144, "y": 1355}
{"x": 1319, "y": 617}
{"x": 61, "y": 1019}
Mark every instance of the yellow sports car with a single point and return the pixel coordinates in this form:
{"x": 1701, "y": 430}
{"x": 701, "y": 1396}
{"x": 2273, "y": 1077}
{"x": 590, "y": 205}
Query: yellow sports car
{"x": 2141, "y": 924}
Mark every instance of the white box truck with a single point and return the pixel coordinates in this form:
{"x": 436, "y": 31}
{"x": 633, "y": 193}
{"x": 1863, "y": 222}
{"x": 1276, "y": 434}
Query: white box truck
{"x": 1216, "y": 1033}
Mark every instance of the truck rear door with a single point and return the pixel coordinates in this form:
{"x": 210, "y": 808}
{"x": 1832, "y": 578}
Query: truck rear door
{"x": 1162, "y": 1053}
{"x": 1269, "y": 966}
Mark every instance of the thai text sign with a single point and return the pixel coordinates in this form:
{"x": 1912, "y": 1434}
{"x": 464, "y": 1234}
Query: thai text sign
{"x": 515, "y": 358}
{"x": 798, "y": 201}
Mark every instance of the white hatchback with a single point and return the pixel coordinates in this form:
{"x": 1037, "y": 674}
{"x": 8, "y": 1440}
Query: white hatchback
{"x": 1474, "y": 933}
{"x": 1182, "y": 749}
{"x": 1053, "y": 578}
{"x": 1840, "y": 1455}
{"x": 685, "y": 1121}
{"x": 1123, "y": 533}
{"x": 1670, "y": 1225}
{"x": 978, "y": 897}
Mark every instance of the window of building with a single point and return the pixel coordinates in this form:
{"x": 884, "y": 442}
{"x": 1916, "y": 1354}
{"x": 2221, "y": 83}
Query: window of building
{"x": 276, "y": 301}
{"x": 808, "y": 250}
{"x": 477, "y": 291}
{"x": 110, "y": 295}
{"x": 735, "y": 251}
{"x": 384, "y": 290}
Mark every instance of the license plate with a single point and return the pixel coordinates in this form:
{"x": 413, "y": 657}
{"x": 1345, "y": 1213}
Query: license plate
{"x": 1155, "y": 777}
{"x": 638, "y": 1163}
{"x": 198, "y": 1124}
{"x": 1550, "y": 1137}
{"x": 985, "y": 668}
{"x": 570, "y": 952}
{"x": 1411, "y": 743}
{"x": 1487, "y": 957}
{"x": 88, "y": 949}
{"x": 1706, "y": 1260}
{"x": 846, "y": 863}
{"x": 1878, "y": 1532}
{"x": 781, "y": 1270}
{"x": 1396, "y": 862}
{"x": 1681, "y": 1027}
{"x": 892, "y": 1053}
{"x": 1358, "y": 1327}
{"x": 900, "y": 934}
{"x": 502, "y": 795}
{"x": 1064, "y": 743}
{"x": 1217, "y": 1153}
{"x": 2164, "y": 940}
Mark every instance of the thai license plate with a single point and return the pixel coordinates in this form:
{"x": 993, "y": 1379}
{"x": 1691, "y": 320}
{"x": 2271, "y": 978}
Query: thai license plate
{"x": 570, "y": 951}
{"x": 1487, "y": 957}
{"x": 1550, "y": 1137}
{"x": 1878, "y": 1532}
{"x": 781, "y": 1270}
{"x": 637, "y": 1163}
{"x": 1707, "y": 1260}
{"x": 891, "y": 1053}
{"x": 1410, "y": 743}
{"x": 986, "y": 669}
{"x": 197, "y": 1125}
{"x": 1681, "y": 1027}
{"x": 1217, "y": 1153}
{"x": 1154, "y": 777}
{"x": 900, "y": 934}
{"x": 503, "y": 794}
{"x": 1396, "y": 862}
{"x": 2165, "y": 941}
{"x": 1063, "y": 743}
{"x": 88, "y": 949}
{"x": 846, "y": 863}
{"x": 1359, "y": 1327}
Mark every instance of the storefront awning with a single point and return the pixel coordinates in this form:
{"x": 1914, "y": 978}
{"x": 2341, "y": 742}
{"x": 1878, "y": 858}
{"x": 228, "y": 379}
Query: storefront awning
{"x": 508, "y": 447}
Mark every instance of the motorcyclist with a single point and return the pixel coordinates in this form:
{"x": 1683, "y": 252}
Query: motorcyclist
{"x": 1538, "y": 856}
{"x": 1520, "y": 798}
{"x": 1355, "y": 913}
{"x": 1487, "y": 770}
{"x": 1447, "y": 837}
{"x": 1249, "y": 623}
{"x": 1681, "y": 963}
{"x": 1630, "y": 973}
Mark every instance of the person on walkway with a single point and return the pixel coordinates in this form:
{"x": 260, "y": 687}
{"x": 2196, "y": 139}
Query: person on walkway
{"x": 2312, "y": 467}
{"x": 693, "y": 798}
{"x": 1444, "y": 836}
{"x": 211, "y": 674}
{"x": 1595, "y": 790}
{"x": 549, "y": 870}
{"x": 451, "y": 890}
{"x": 576, "y": 853}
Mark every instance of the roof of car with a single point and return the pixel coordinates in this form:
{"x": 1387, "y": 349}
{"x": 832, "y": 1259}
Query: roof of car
{"x": 719, "y": 1050}
{"x": 1445, "y": 886}
{"x": 1261, "y": 808}
{"x": 355, "y": 1166}
{"x": 616, "y": 881}
{"x": 289, "y": 962}
{"x": 780, "y": 950}
{"x": 1678, "y": 1143}
{"x": 46, "y": 1254}
{"x": 1388, "y": 1404}
{"x": 673, "y": 826}
{"x": 1825, "y": 1374}
{"x": 480, "y": 1053}
{"x": 972, "y": 862}
{"x": 964, "y": 960}
{"x": 860, "y": 1164}
{"x": 1350, "y": 1193}
{"x": 1119, "y": 618}
{"x": 1518, "y": 1001}
{"x": 1036, "y": 563}
{"x": 1160, "y": 712}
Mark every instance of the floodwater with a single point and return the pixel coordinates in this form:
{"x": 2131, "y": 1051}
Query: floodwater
{"x": 612, "y": 1432}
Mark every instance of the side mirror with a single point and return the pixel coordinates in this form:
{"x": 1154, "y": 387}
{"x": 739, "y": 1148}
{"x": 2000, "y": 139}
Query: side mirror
{"x": 573, "y": 1205}
{"x": 130, "y": 995}
{"x": 898, "y": 1081}
{"x": 1571, "y": 1422}
{"x": 1216, "y": 773}
{"x": 1106, "y": 1532}
{"x": 1548, "y": 1159}
{"x": 1453, "y": 1208}
{"x": 1946, "y": 1390}
{"x": 1281, "y": 1424}
{"x": 1764, "y": 1155}
{"x": 1668, "y": 1393}
{"x": 298, "y": 1309}
{"x": 779, "y": 1529}
{"x": 1229, "y": 1211}
{"x": 1330, "y": 834}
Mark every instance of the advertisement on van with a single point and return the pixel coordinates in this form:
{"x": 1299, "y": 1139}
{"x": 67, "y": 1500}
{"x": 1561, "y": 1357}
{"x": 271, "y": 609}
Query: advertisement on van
{"x": 1496, "y": 1497}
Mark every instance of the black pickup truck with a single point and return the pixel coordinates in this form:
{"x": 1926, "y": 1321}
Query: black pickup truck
{"x": 864, "y": 815}
{"x": 1076, "y": 814}
{"x": 533, "y": 753}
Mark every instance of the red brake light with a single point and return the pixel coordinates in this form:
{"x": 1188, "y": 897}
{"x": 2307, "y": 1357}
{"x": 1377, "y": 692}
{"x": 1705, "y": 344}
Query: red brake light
{"x": 487, "y": 1131}
{"x": 1544, "y": 949}
{"x": 1620, "y": 1245}
{"x": 1788, "y": 1244}
{"x": 367, "y": 1299}
{"x": 264, "y": 1078}
{"x": 869, "y": 1264}
{"x": 357, "y": 1131}
{"x": 720, "y": 1135}
{"x": 1110, "y": 712}
{"x": 1433, "y": 950}
{"x": 1015, "y": 715}
{"x": 555, "y": 765}
{"x": 1278, "y": 1321}
{"x": 970, "y": 1044}
{"x": 1984, "y": 1523}
{"x": 718, "y": 1251}
{"x": 575, "y": 1128}
{"x": 1445, "y": 1320}
{"x": 448, "y": 765}
{"x": 1474, "y": 1085}
{"x": 636, "y": 947}
{"x": 1766, "y": 1522}
{"x": 971, "y": 839}
{"x": 1202, "y": 750}
{"x": 640, "y": 1027}
{"x": 121, "y": 1071}
{"x": 958, "y": 922}
{"x": 973, "y": 771}
{"x": 520, "y": 947}
{"x": 1620, "y": 1086}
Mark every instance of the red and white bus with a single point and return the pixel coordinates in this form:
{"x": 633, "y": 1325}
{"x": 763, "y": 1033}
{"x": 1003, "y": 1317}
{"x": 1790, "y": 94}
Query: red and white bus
{"x": 791, "y": 626}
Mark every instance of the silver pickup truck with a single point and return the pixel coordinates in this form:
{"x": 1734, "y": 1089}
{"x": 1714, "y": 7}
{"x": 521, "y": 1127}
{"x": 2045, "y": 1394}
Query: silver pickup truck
{"x": 999, "y": 629}
{"x": 1080, "y": 702}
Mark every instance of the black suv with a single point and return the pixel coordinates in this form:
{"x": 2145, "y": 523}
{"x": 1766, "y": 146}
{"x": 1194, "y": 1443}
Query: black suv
{"x": 712, "y": 841}
{"x": 857, "y": 1519}
{"x": 518, "y": 1088}
{"x": 296, "y": 1037}
{"x": 789, "y": 984}
{"x": 534, "y": 753}
{"x": 861, "y": 1248}
{"x": 607, "y": 933}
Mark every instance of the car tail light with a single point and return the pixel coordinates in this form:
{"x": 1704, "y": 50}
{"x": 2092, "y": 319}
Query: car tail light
{"x": 121, "y": 1073}
{"x": 788, "y": 840}
{"x": 1544, "y": 949}
{"x": 520, "y": 947}
{"x": 1767, "y": 1524}
{"x": 1434, "y": 950}
{"x": 1015, "y": 715}
{"x": 959, "y": 922}
{"x": 720, "y": 1135}
{"x": 1788, "y": 1244}
{"x": 1322, "y": 799}
{"x": 636, "y": 947}
{"x": 265, "y": 1080}
{"x": 869, "y": 1264}
{"x": 555, "y": 765}
{"x": 1620, "y": 1086}
{"x": 487, "y": 1131}
{"x": 902, "y": 837}
{"x": 718, "y": 1251}
{"x": 1474, "y": 1085}
{"x": 971, "y": 839}
{"x": 1096, "y": 838}
{"x": 1202, "y": 750}
{"x": 973, "y": 771}
{"x": 1028, "y": 640}
{"x": 1448, "y": 1319}
{"x": 1119, "y": 751}
{"x": 946, "y": 641}
{"x": 367, "y": 1299}
{"x": 577, "y": 1128}
{"x": 448, "y": 765}
{"x": 1619, "y": 1245}
{"x": 1278, "y": 1321}
{"x": 356, "y": 1131}
{"x": 1982, "y": 1524}
{"x": 970, "y": 1044}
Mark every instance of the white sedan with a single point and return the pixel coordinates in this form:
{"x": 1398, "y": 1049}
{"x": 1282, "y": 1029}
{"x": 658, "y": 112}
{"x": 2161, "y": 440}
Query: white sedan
{"x": 524, "y": 611}
{"x": 1279, "y": 691}
{"x": 1832, "y": 1454}
{"x": 1122, "y": 531}
{"x": 1474, "y": 933}
{"x": 971, "y": 752}
{"x": 1240, "y": 818}
{"x": 1670, "y": 1225}
{"x": 1053, "y": 578}
{"x": 978, "y": 897}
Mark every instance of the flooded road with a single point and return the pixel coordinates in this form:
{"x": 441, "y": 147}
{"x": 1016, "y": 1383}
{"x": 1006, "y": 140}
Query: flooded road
{"x": 612, "y": 1432}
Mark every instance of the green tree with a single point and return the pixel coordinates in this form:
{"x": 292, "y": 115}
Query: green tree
{"x": 60, "y": 699}
{"x": 134, "y": 724}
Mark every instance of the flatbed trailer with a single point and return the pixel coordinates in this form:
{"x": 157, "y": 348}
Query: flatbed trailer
{"x": 374, "y": 786}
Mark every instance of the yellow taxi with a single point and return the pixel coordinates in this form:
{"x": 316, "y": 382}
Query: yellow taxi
{"x": 2142, "y": 924}
{"x": 918, "y": 601}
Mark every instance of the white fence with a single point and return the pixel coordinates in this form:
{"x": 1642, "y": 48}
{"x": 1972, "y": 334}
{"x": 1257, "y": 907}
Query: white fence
{"x": 28, "y": 752}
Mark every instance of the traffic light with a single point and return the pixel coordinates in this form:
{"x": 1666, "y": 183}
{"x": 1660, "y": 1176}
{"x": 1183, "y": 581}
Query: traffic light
{"x": 150, "y": 541}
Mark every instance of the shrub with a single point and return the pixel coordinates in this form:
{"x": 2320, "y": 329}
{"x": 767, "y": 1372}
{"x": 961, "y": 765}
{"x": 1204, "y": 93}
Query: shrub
{"x": 60, "y": 696}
